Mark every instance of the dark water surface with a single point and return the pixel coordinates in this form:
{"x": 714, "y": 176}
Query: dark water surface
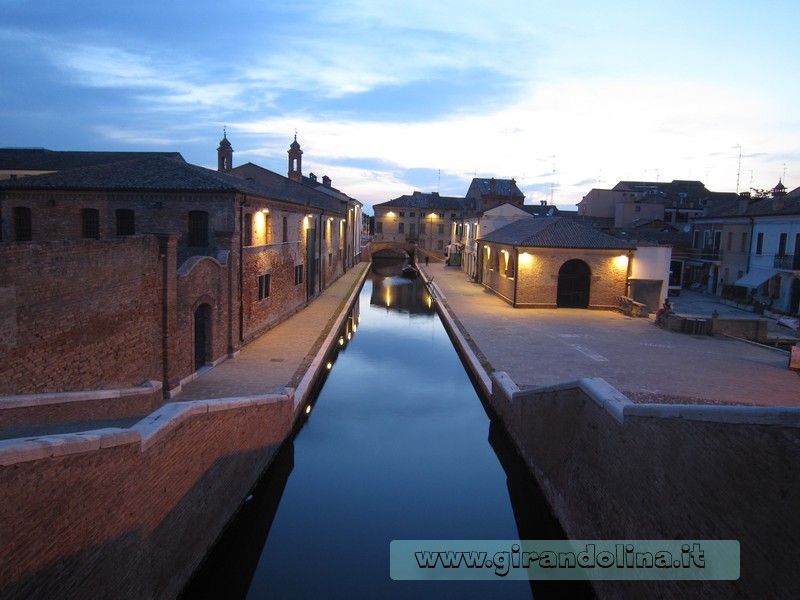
{"x": 397, "y": 446}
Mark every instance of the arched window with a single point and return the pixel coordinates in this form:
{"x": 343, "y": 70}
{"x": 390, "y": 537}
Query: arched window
{"x": 511, "y": 266}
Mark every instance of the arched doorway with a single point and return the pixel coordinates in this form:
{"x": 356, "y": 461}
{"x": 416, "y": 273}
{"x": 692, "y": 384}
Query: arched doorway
{"x": 573, "y": 284}
{"x": 202, "y": 335}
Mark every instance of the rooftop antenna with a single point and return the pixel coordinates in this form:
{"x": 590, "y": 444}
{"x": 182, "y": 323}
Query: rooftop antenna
{"x": 739, "y": 169}
{"x": 553, "y": 177}
{"x": 439, "y": 182}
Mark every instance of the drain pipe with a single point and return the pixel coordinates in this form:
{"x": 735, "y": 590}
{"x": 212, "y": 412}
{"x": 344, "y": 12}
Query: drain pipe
{"x": 241, "y": 269}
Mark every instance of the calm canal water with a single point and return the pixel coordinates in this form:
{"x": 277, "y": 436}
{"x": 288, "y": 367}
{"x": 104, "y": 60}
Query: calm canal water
{"x": 397, "y": 446}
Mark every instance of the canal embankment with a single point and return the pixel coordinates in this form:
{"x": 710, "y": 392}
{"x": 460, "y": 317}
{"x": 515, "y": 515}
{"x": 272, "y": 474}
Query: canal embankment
{"x": 710, "y": 451}
{"x": 131, "y": 509}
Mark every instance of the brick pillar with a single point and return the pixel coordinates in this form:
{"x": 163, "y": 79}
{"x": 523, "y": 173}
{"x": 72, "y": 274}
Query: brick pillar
{"x": 228, "y": 241}
{"x": 168, "y": 251}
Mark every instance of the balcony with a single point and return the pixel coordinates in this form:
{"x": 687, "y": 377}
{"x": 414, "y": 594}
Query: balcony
{"x": 787, "y": 262}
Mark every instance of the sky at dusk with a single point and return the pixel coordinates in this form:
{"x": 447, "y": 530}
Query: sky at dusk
{"x": 392, "y": 96}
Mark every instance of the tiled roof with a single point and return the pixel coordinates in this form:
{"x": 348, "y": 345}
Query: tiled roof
{"x": 760, "y": 207}
{"x": 41, "y": 159}
{"x": 425, "y": 200}
{"x": 158, "y": 173}
{"x": 282, "y": 188}
{"x": 554, "y": 232}
{"x": 502, "y": 187}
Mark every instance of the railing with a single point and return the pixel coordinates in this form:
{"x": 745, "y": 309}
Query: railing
{"x": 787, "y": 262}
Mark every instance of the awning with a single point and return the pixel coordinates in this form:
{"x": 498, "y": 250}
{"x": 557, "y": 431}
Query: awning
{"x": 756, "y": 277}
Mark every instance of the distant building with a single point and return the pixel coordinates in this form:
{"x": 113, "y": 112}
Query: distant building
{"x": 423, "y": 219}
{"x": 486, "y": 193}
{"x": 675, "y": 202}
{"x": 752, "y": 244}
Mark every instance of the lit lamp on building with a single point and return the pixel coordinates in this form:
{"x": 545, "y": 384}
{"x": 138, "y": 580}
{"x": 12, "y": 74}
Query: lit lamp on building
{"x": 431, "y": 216}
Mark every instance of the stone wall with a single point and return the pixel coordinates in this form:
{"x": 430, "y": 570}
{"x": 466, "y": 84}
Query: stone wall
{"x": 615, "y": 470}
{"x": 79, "y": 314}
{"x": 130, "y": 513}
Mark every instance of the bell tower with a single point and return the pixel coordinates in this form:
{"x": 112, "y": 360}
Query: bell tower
{"x": 224, "y": 153}
{"x": 295, "y": 161}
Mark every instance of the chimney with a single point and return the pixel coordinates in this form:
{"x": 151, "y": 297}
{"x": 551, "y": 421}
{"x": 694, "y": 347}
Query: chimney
{"x": 326, "y": 181}
{"x": 744, "y": 202}
{"x": 492, "y": 187}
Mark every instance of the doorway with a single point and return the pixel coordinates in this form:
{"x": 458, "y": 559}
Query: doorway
{"x": 202, "y": 335}
{"x": 573, "y": 284}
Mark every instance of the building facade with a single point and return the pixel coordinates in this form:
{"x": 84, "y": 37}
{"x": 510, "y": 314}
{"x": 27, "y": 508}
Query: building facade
{"x": 227, "y": 258}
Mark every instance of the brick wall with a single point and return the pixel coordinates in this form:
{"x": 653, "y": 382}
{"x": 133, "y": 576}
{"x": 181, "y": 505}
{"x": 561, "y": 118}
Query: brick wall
{"x": 130, "y": 513}
{"x": 79, "y": 314}
{"x": 537, "y": 284}
{"x": 615, "y": 470}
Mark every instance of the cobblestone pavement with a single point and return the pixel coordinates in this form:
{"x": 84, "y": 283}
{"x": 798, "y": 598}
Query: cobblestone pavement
{"x": 538, "y": 347}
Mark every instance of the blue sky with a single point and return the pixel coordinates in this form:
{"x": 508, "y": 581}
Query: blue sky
{"x": 389, "y": 97}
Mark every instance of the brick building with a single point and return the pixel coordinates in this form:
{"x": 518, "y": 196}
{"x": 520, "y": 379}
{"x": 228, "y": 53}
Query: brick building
{"x": 553, "y": 262}
{"x": 153, "y": 269}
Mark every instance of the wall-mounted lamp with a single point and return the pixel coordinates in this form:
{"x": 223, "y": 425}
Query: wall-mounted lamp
{"x": 265, "y": 211}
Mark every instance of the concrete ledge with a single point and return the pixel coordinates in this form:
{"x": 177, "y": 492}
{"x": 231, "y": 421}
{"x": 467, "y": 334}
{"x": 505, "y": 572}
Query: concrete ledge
{"x": 755, "y": 415}
{"x": 25, "y": 450}
{"x": 303, "y": 391}
{"x": 31, "y": 400}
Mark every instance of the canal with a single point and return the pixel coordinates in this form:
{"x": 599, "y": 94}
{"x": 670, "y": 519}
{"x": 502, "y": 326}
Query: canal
{"x": 397, "y": 445}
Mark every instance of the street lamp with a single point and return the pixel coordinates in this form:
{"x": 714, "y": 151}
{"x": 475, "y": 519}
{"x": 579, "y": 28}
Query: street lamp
{"x": 430, "y": 231}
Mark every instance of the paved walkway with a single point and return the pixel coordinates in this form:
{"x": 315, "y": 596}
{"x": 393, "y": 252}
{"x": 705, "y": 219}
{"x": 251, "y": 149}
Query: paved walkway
{"x": 280, "y": 357}
{"x": 538, "y": 347}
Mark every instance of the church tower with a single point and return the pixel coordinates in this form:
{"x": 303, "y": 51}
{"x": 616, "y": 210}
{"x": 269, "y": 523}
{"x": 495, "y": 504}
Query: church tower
{"x": 224, "y": 154}
{"x": 295, "y": 161}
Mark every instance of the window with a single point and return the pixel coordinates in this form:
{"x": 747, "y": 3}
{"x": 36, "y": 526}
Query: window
{"x": 198, "y": 228}
{"x": 759, "y": 243}
{"x": 402, "y": 214}
{"x": 412, "y": 229}
{"x": 23, "y": 230}
{"x": 729, "y": 243}
{"x": 412, "y": 214}
{"x": 330, "y": 258}
{"x": 452, "y": 215}
{"x": 696, "y": 239}
{"x": 285, "y": 229}
{"x": 422, "y": 228}
{"x": 717, "y": 240}
{"x": 248, "y": 229}
{"x": 782, "y": 244}
{"x": 263, "y": 286}
{"x": 90, "y": 223}
{"x": 637, "y": 208}
{"x": 441, "y": 228}
{"x": 378, "y": 226}
{"x": 706, "y": 238}
{"x": 401, "y": 228}
{"x": 744, "y": 243}
{"x": 440, "y": 245}
{"x": 298, "y": 274}
{"x": 125, "y": 221}
{"x": 510, "y": 266}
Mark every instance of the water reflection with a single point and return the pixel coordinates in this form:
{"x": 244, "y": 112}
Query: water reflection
{"x": 395, "y": 448}
{"x": 395, "y": 292}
